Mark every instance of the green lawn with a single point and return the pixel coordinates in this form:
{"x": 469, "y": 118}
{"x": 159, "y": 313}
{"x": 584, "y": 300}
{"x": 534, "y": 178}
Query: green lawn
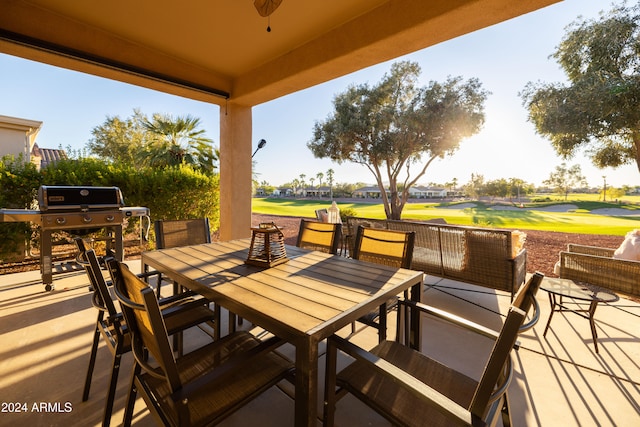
{"x": 580, "y": 220}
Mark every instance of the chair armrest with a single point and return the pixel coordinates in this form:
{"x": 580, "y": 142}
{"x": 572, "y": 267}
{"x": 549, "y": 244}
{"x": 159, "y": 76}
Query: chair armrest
{"x": 169, "y": 310}
{"x": 534, "y": 318}
{"x": 180, "y": 298}
{"x": 468, "y": 324}
{"x": 456, "y": 413}
{"x": 96, "y": 301}
{"x": 148, "y": 274}
{"x": 451, "y": 318}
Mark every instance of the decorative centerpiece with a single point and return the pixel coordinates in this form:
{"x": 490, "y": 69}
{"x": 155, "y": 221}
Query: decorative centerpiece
{"x": 267, "y": 246}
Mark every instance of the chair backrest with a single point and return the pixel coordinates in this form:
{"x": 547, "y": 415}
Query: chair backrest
{"x": 146, "y": 325}
{"x": 319, "y": 236}
{"x": 100, "y": 287}
{"x": 322, "y": 215}
{"x": 498, "y": 370}
{"x": 183, "y": 232}
{"x": 388, "y": 247}
{"x": 82, "y": 249}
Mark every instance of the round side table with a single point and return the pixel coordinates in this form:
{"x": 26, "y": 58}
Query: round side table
{"x": 558, "y": 289}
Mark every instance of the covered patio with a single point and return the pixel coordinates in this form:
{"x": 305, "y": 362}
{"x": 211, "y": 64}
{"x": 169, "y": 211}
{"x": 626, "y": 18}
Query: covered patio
{"x": 220, "y": 51}
{"x": 560, "y": 380}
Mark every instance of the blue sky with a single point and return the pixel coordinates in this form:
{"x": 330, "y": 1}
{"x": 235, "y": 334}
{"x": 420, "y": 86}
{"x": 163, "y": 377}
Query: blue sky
{"x": 504, "y": 57}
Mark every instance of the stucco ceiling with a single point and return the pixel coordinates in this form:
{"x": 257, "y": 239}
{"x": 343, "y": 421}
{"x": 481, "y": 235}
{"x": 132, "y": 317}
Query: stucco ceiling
{"x": 217, "y": 49}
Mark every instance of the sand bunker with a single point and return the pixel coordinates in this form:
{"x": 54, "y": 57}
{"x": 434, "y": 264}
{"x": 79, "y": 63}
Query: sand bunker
{"x": 556, "y": 208}
{"x": 616, "y": 212}
{"x": 553, "y": 208}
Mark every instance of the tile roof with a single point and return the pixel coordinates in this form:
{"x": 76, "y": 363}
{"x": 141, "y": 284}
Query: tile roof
{"x": 47, "y": 155}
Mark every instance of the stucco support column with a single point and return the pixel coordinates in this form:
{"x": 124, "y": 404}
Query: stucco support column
{"x": 235, "y": 171}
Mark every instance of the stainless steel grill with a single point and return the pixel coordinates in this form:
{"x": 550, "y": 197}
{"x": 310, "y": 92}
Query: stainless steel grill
{"x": 76, "y": 210}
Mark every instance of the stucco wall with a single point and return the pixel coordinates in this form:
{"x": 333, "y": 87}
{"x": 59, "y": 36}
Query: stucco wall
{"x": 17, "y": 135}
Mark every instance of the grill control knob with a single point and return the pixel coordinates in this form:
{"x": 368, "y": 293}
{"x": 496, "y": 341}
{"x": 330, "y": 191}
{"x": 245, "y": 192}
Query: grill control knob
{"x": 87, "y": 219}
{"x": 61, "y": 220}
{"x": 110, "y": 218}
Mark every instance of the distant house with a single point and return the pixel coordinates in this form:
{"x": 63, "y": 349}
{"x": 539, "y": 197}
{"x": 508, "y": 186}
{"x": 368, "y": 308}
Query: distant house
{"x": 416, "y": 192}
{"x": 283, "y": 191}
{"x": 368, "y": 193}
{"x": 420, "y": 192}
{"x": 18, "y": 137}
{"x": 323, "y": 191}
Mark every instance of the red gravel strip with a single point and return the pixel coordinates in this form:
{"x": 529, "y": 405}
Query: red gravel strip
{"x": 542, "y": 246}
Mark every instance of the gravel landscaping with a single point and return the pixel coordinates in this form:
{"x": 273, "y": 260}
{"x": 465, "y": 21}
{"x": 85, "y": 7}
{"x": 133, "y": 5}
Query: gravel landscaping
{"x": 542, "y": 246}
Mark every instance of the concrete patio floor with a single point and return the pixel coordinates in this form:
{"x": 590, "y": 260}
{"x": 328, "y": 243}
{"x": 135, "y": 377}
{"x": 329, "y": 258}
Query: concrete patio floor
{"x": 45, "y": 340}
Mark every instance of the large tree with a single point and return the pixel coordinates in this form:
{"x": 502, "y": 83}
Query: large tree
{"x": 119, "y": 140}
{"x": 396, "y": 129}
{"x": 565, "y": 178}
{"x": 162, "y": 141}
{"x": 597, "y": 110}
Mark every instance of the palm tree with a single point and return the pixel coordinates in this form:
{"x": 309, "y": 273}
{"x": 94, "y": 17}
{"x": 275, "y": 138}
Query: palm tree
{"x": 330, "y": 173}
{"x": 178, "y": 141}
{"x": 295, "y": 184}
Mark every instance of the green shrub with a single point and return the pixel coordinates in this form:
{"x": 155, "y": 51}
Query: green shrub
{"x": 19, "y": 182}
{"x": 347, "y": 212}
{"x": 83, "y": 171}
{"x": 541, "y": 199}
{"x": 170, "y": 193}
{"x": 173, "y": 193}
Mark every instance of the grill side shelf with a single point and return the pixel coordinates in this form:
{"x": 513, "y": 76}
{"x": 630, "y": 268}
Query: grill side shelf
{"x": 20, "y": 215}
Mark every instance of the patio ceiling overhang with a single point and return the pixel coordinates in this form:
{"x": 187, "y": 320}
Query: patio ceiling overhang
{"x": 213, "y": 49}
{"x": 219, "y": 51}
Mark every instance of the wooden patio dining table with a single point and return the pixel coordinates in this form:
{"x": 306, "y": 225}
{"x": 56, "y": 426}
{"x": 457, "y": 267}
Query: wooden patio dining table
{"x": 303, "y": 301}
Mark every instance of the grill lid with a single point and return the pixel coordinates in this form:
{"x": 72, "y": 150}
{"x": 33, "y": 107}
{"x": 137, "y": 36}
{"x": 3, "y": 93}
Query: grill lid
{"x": 77, "y": 198}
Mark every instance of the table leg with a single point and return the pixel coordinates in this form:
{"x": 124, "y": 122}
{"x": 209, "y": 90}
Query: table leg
{"x": 415, "y": 337}
{"x": 119, "y": 242}
{"x": 232, "y": 322}
{"x": 592, "y": 323}
{"x": 557, "y": 305}
{"x": 46, "y": 268}
{"x": 552, "y": 302}
{"x": 382, "y": 326}
{"x": 306, "y": 383}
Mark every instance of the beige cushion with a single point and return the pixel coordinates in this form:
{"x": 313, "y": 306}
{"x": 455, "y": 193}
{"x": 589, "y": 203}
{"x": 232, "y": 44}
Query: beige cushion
{"x": 518, "y": 238}
{"x": 630, "y": 247}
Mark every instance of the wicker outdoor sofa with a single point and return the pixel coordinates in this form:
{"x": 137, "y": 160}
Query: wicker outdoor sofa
{"x": 481, "y": 256}
{"x": 596, "y": 266}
